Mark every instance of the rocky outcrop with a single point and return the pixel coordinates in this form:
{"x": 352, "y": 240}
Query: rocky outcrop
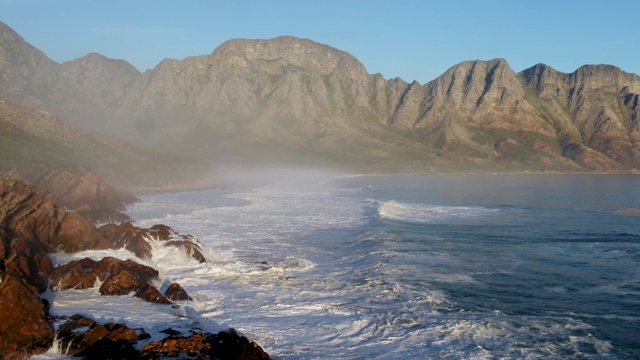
{"x": 117, "y": 277}
{"x": 225, "y": 345}
{"x": 83, "y": 337}
{"x": 32, "y": 224}
{"x": 137, "y": 240}
{"x": 175, "y": 292}
{"x": 28, "y": 221}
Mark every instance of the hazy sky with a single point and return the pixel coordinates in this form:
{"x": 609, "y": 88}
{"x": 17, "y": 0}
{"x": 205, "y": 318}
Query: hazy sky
{"x": 416, "y": 40}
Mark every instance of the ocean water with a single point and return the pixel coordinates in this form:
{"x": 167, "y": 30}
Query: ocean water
{"x": 402, "y": 267}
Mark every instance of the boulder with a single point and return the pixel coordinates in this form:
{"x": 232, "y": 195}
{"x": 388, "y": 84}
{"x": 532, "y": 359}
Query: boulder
{"x": 122, "y": 283}
{"x": 175, "y": 292}
{"x": 151, "y": 294}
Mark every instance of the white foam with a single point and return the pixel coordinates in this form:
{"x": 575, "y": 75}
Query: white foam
{"x": 421, "y": 213}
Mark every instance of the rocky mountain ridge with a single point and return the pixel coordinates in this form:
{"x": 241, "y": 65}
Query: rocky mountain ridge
{"x": 293, "y": 96}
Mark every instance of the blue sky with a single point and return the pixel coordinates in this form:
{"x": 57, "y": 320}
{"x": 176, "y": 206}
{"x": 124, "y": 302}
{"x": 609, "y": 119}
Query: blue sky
{"x": 416, "y": 40}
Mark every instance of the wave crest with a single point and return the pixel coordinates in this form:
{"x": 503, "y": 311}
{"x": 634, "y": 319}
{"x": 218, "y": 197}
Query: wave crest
{"x": 425, "y": 213}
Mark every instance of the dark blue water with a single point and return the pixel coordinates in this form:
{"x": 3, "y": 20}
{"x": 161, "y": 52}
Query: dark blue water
{"x": 554, "y": 256}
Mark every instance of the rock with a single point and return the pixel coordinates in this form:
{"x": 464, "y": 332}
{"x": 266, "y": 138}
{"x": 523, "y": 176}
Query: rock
{"x": 151, "y": 294}
{"x": 122, "y": 283}
{"x": 161, "y": 232}
{"x": 28, "y": 219}
{"x": 175, "y": 292}
{"x": 226, "y": 345}
{"x": 83, "y": 337}
{"x": 77, "y": 274}
{"x": 77, "y": 233}
{"x": 29, "y": 212}
{"x": 118, "y": 277}
{"x": 190, "y": 248}
{"x": 170, "y": 331}
{"x": 24, "y": 325}
{"x": 136, "y": 240}
{"x": 129, "y": 237}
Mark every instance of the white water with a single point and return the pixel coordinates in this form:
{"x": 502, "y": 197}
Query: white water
{"x": 302, "y": 270}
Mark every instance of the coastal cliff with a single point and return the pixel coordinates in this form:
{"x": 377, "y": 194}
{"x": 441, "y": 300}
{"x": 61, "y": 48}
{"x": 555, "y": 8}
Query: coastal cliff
{"x": 33, "y": 224}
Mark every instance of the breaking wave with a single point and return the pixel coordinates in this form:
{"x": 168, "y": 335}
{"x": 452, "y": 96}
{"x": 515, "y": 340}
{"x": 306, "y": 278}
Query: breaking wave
{"x": 424, "y": 213}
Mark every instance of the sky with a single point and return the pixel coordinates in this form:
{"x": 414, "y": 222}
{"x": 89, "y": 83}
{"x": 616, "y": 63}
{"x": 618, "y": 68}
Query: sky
{"x": 415, "y": 40}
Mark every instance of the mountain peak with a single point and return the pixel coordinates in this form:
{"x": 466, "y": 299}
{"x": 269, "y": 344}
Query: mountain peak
{"x": 298, "y": 53}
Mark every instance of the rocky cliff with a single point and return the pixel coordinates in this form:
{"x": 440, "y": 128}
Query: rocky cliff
{"x": 295, "y": 96}
{"x": 28, "y": 222}
{"x": 33, "y": 224}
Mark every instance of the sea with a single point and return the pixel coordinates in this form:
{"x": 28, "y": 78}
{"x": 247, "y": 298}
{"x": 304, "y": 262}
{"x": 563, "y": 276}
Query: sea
{"x": 319, "y": 265}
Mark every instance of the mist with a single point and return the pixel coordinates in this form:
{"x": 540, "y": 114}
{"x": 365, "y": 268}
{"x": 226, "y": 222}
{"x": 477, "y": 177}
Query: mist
{"x": 279, "y": 175}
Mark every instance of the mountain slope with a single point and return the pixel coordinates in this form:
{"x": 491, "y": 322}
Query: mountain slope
{"x": 35, "y": 139}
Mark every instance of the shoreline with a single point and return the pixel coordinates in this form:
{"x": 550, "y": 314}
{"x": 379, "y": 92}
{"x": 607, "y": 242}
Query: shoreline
{"x": 174, "y": 188}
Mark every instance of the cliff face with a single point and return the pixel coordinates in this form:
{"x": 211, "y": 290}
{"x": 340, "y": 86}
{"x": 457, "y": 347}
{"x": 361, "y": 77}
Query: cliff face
{"x": 28, "y": 220}
{"x": 300, "y": 96}
{"x": 595, "y": 108}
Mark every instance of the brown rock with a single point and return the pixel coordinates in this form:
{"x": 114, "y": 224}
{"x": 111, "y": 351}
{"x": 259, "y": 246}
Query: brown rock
{"x": 24, "y": 325}
{"x": 77, "y": 274}
{"x": 192, "y": 249}
{"x": 226, "y": 345}
{"x": 122, "y": 283}
{"x": 127, "y": 236}
{"x": 161, "y": 232}
{"x": 151, "y": 294}
{"x": 28, "y": 219}
{"x": 110, "y": 340}
{"x": 118, "y": 277}
{"x": 29, "y": 212}
{"x": 78, "y": 233}
{"x": 175, "y": 292}
{"x": 137, "y": 240}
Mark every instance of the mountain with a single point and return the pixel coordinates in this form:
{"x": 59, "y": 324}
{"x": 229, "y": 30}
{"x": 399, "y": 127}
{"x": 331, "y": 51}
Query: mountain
{"x": 84, "y": 170}
{"x": 298, "y": 100}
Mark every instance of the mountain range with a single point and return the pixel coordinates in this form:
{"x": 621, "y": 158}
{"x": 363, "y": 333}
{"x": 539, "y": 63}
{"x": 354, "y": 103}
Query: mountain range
{"x": 297, "y": 100}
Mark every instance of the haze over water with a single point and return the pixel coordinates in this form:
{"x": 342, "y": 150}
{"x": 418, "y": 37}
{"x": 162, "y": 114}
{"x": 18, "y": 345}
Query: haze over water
{"x": 454, "y": 266}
